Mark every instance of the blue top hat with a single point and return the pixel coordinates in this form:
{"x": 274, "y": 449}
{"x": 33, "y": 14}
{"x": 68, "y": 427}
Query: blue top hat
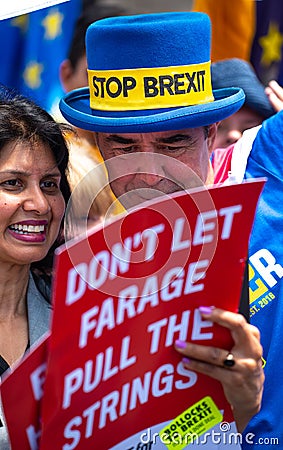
{"x": 149, "y": 72}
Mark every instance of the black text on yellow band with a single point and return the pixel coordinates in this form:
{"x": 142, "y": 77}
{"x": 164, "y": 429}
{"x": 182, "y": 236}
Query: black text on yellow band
{"x": 150, "y": 88}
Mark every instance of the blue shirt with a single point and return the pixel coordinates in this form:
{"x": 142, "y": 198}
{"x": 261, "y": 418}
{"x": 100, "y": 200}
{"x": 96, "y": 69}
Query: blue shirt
{"x": 266, "y": 280}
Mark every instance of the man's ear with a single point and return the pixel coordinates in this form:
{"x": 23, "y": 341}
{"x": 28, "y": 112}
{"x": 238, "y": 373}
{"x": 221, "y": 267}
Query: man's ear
{"x": 212, "y": 132}
{"x": 65, "y": 75}
{"x": 96, "y": 140}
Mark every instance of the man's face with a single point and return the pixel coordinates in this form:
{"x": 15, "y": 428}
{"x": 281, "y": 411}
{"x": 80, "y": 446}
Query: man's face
{"x": 142, "y": 166}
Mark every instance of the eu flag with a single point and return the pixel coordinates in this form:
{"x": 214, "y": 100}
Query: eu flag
{"x": 248, "y": 29}
{"x": 266, "y": 53}
{"x": 35, "y": 45}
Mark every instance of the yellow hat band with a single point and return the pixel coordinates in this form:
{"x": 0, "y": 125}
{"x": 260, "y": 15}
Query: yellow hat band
{"x": 150, "y": 88}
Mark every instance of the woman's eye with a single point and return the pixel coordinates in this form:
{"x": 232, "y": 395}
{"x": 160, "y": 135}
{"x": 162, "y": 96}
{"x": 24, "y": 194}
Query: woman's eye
{"x": 11, "y": 184}
{"x": 50, "y": 185}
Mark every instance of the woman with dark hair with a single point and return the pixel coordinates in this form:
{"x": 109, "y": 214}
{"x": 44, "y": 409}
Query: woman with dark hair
{"x": 34, "y": 192}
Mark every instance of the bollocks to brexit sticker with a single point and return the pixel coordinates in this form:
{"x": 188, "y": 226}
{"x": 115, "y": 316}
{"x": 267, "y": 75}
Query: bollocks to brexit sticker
{"x": 150, "y": 88}
{"x": 191, "y": 424}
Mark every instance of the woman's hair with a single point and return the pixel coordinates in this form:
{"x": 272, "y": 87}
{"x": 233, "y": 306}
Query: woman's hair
{"x": 23, "y": 121}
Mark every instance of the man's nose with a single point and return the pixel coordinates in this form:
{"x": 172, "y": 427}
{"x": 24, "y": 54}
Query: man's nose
{"x": 149, "y": 179}
{"x": 150, "y": 168}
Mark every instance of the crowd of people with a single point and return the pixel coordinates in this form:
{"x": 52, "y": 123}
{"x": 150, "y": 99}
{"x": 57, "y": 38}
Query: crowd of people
{"x": 227, "y": 128}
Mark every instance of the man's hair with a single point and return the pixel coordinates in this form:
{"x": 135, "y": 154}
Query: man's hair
{"x": 92, "y": 10}
{"x": 206, "y": 131}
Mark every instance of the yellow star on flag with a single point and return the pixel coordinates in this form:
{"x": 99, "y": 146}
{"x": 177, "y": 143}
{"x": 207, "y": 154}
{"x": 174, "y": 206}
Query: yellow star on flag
{"x": 21, "y": 22}
{"x": 271, "y": 45}
{"x": 53, "y": 24}
{"x": 32, "y": 74}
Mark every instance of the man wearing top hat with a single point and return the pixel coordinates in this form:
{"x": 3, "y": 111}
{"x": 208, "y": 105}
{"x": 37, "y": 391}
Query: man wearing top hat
{"x": 151, "y": 105}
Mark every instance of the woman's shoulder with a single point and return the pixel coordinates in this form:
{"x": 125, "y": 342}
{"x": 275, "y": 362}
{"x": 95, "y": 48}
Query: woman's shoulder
{"x": 39, "y": 306}
{"x": 42, "y": 283}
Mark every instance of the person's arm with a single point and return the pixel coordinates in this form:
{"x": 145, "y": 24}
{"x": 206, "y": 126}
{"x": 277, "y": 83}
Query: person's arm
{"x": 274, "y": 93}
{"x": 243, "y": 382}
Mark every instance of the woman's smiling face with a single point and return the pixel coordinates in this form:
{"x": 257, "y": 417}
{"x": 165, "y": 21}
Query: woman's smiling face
{"x": 31, "y": 202}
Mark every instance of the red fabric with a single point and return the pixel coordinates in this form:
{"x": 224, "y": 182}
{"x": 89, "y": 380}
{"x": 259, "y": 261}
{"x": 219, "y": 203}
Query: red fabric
{"x": 221, "y": 163}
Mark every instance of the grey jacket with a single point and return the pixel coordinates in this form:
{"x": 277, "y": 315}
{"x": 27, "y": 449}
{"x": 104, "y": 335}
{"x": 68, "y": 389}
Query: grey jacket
{"x": 39, "y": 312}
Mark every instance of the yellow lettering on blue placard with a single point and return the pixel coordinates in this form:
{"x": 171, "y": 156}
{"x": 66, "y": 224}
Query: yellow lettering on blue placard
{"x": 261, "y": 287}
{"x": 263, "y": 362}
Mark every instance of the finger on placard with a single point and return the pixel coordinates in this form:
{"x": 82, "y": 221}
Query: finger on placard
{"x": 216, "y": 372}
{"x": 242, "y": 332}
{"x": 202, "y": 353}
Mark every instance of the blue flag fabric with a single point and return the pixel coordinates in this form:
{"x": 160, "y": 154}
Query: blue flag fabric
{"x": 33, "y": 46}
{"x": 266, "y": 52}
{"x": 248, "y": 29}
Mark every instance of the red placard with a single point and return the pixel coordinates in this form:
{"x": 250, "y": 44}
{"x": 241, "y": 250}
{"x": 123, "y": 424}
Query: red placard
{"x": 21, "y": 395}
{"x": 122, "y": 296}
